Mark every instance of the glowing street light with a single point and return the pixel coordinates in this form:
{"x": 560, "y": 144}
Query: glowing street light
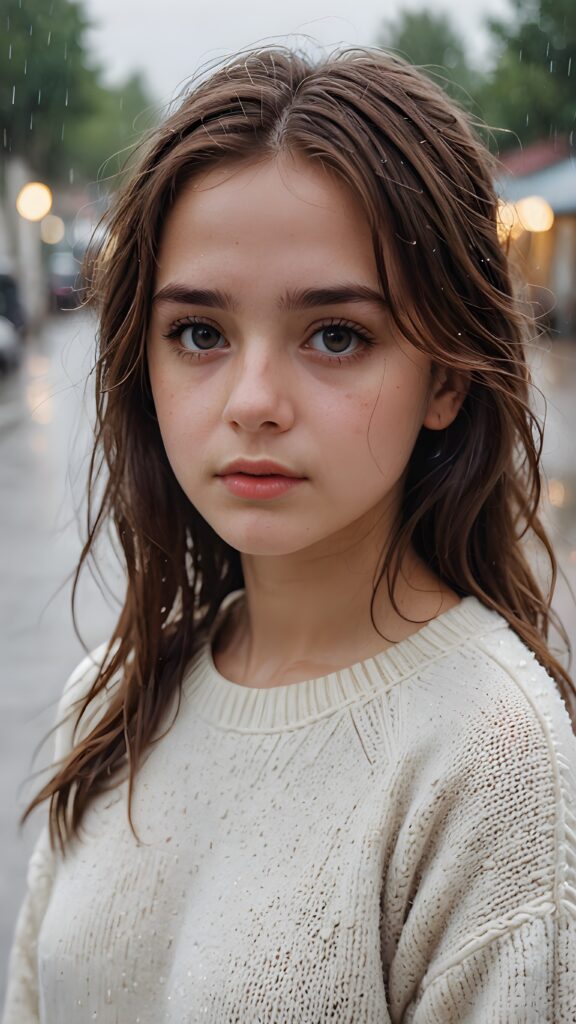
{"x": 34, "y": 201}
{"x": 535, "y": 214}
{"x": 508, "y": 222}
{"x": 52, "y": 229}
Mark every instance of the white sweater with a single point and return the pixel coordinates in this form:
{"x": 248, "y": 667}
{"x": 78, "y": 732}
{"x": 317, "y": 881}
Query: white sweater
{"x": 394, "y": 842}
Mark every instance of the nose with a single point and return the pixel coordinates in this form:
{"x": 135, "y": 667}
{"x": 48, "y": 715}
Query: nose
{"x": 260, "y": 393}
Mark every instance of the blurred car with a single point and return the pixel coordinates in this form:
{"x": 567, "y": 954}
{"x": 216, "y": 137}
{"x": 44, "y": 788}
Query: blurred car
{"x": 12, "y": 322}
{"x": 64, "y": 280}
{"x": 10, "y": 345}
{"x": 10, "y": 304}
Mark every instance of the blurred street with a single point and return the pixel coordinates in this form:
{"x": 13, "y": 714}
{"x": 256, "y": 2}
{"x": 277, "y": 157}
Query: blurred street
{"x": 44, "y": 441}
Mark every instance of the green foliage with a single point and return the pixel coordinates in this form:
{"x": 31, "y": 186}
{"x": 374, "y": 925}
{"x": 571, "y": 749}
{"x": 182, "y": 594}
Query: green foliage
{"x": 528, "y": 94}
{"x": 101, "y": 144}
{"x": 45, "y": 79}
{"x": 431, "y": 42}
{"x": 532, "y": 88}
{"x": 54, "y": 109}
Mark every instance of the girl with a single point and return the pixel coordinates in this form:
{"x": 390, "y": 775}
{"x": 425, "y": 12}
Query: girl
{"x": 324, "y": 769}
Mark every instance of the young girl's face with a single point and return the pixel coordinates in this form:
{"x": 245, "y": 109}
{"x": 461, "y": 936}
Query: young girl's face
{"x": 271, "y": 366}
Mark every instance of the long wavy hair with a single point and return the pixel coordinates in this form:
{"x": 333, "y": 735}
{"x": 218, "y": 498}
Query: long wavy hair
{"x": 425, "y": 181}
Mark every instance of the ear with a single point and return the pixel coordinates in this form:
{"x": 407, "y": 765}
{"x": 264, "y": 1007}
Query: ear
{"x": 447, "y": 392}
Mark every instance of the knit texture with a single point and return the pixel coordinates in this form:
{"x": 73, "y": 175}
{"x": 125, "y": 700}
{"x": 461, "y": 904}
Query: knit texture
{"x": 393, "y": 842}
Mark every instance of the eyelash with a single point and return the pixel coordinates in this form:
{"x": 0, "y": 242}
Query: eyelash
{"x": 176, "y": 329}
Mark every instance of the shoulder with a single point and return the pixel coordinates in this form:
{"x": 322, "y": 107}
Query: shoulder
{"x": 509, "y": 747}
{"x": 524, "y": 689}
{"x": 76, "y": 689}
{"x": 488, "y": 724}
{"x": 485, "y": 669}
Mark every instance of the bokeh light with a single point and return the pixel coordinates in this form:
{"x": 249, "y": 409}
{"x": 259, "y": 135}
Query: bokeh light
{"x": 52, "y": 229}
{"x": 508, "y": 222}
{"x": 34, "y": 201}
{"x": 535, "y": 213}
{"x": 556, "y": 493}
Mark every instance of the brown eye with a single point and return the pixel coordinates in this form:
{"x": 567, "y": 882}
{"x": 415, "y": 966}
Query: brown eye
{"x": 202, "y": 335}
{"x": 336, "y": 338}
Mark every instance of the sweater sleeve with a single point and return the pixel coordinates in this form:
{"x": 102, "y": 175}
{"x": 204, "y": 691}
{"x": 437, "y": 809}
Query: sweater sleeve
{"x": 525, "y": 975}
{"x": 483, "y": 877}
{"x": 22, "y": 995}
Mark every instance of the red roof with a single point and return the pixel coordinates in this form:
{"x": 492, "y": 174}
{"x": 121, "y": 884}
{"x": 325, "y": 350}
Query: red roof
{"x": 536, "y": 156}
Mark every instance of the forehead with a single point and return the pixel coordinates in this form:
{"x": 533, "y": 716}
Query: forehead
{"x": 267, "y": 216}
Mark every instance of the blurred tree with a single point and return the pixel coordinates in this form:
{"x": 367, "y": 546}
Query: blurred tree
{"x": 532, "y": 88}
{"x": 100, "y": 144}
{"x": 55, "y": 112}
{"x": 46, "y": 81}
{"x": 431, "y": 41}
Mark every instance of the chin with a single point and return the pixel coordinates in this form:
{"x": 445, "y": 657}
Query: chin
{"x": 262, "y": 537}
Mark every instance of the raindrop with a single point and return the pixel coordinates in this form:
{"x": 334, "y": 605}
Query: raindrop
{"x": 13, "y": 94}
{"x": 62, "y": 132}
{"x": 66, "y": 100}
{"x": 39, "y": 95}
{"x": 520, "y": 57}
{"x": 548, "y": 48}
{"x": 65, "y": 49}
{"x": 10, "y": 53}
{"x": 5, "y": 139}
{"x": 121, "y": 103}
{"x": 71, "y": 175}
{"x": 551, "y": 68}
{"x": 49, "y": 38}
{"x": 527, "y": 119}
{"x": 31, "y": 120}
{"x": 30, "y": 30}
{"x": 26, "y": 65}
{"x": 569, "y": 66}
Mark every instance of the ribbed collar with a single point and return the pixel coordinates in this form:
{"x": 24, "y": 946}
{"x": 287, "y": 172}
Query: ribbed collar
{"x": 232, "y": 705}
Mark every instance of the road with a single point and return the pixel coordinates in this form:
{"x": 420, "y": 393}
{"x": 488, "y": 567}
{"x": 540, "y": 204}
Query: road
{"x": 44, "y": 442}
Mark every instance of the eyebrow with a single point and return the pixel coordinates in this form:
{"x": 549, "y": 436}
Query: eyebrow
{"x": 300, "y": 298}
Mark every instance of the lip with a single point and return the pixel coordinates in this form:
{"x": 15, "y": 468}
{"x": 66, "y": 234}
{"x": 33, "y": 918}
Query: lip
{"x": 259, "y": 488}
{"x": 259, "y": 467}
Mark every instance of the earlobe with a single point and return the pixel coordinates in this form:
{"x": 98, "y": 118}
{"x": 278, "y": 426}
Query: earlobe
{"x": 446, "y": 397}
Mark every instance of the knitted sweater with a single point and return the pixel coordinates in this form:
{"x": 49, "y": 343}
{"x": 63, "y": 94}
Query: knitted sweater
{"x": 393, "y": 842}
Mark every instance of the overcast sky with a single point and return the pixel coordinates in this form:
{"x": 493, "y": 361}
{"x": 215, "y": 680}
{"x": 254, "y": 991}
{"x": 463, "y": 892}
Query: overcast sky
{"x": 170, "y": 39}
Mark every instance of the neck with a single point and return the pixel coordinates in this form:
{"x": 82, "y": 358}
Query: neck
{"x": 308, "y": 613}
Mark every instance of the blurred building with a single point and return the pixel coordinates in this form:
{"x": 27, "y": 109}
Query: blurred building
{"x": 538, "y": 189}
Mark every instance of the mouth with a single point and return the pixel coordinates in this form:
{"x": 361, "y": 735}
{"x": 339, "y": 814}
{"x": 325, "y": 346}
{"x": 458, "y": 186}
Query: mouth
{"x": 262, "y": 468}
{"x": 259, "y": 486}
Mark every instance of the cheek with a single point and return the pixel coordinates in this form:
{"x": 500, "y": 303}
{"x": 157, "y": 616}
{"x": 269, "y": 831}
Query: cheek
{"x": 382, "y": 428}
{"x": 184, "y": 426}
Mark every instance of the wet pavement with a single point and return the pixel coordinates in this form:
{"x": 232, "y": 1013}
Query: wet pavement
{"x": 45, "y": 439}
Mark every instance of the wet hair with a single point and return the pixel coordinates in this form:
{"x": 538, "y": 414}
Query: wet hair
{"x": 470, "y": 506}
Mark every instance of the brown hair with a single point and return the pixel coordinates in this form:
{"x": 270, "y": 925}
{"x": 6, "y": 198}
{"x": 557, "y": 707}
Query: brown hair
{"x": 424, "y": 179}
